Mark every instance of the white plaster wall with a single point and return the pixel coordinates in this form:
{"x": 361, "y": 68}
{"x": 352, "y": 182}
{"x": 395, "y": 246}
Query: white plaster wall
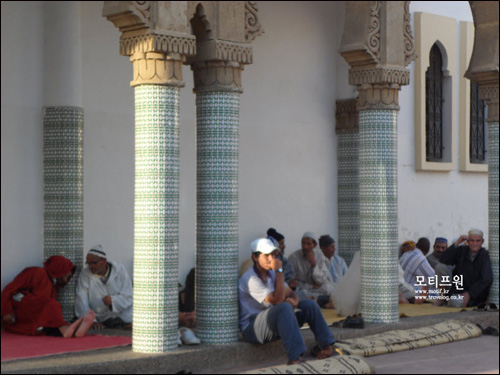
{"x": 435, "y": 204}
{"x": 287, "y": 139}
{"x": 21, "y": 132}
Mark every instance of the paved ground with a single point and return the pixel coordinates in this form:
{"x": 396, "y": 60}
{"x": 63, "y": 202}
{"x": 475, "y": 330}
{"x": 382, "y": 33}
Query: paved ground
{"x": 476, "y": 355}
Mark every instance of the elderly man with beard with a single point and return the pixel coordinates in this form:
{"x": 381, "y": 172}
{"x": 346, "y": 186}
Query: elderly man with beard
{"x": 104, "y": 287}
{"x": 473, "y": 266}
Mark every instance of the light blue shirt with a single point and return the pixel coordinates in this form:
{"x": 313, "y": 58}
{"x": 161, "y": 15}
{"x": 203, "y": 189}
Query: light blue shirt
{"x": 336, "y": 266}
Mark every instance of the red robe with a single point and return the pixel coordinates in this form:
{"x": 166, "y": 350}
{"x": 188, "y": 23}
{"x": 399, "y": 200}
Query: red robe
{"x": 38, "y": 307}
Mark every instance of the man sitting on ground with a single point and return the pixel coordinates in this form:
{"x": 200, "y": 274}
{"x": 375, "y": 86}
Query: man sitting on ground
{"x": 414, "y": 264}
{"x": 335, "y": 264}
{"x": 105, "y": 288}
{"x": 267, "y": 307}
{"x": 472, "y": 262}
{"x": 29, "y": 305}
{"x": 310, "y": 277}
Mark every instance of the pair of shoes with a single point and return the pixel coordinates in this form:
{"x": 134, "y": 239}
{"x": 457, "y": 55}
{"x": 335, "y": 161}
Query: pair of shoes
{"x": 491, "y": 330}
{"x": 187, "y": 336}
{"x": 338, "y": 324}
{"x": 354, "y": 321}
{"x": 486, "y": 307}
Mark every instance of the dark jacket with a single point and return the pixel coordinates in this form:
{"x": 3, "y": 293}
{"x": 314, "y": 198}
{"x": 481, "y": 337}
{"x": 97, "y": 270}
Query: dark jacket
{"x": 477, "y": 275}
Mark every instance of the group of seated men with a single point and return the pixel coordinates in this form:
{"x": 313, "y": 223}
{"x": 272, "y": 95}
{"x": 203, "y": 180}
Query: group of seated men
{"x": 276, "y": 295}
{"x": 459, "y": 275}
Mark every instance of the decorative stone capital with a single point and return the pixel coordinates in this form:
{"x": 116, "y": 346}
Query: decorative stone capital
{"x": 153, "y": 68}
{"x": 378, "y": 96}
{"x": 490, "y": 94}
{"x": 164, "y": 43}
{"x": 347, "y": 116}
{"x": 158, "y": 58}
{"x": 217, "y": 76}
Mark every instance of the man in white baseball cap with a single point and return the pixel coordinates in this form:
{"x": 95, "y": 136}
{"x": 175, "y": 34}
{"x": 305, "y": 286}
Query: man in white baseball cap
{"x": 270, "y": 310}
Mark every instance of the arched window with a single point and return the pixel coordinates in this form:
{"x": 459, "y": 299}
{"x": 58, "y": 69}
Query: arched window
{"x": 434, "y": 106}
{"x": 477, "y": 125}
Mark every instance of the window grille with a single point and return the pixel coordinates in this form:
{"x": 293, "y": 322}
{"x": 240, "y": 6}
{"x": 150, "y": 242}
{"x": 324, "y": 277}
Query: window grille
{"x": 434, "y": 106}
{"x": 477, "y": 125}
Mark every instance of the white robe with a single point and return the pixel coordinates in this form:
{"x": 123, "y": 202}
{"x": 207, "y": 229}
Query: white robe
{"x": 90, "y": 291}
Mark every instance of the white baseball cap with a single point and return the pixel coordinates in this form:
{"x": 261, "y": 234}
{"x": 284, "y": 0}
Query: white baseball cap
{"x": 263, "y": 245}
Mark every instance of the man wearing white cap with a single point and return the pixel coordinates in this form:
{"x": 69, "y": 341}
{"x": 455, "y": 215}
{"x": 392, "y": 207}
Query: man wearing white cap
{"x": 270, "y": 310}
{"x": 104, "y": 287}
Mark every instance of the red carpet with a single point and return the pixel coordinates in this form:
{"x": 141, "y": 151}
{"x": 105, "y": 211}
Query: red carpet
{"x": 21, "y": 347}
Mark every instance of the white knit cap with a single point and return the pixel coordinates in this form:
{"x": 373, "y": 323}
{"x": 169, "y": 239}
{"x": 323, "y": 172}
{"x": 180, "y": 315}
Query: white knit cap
{"x": 97, "y": 251}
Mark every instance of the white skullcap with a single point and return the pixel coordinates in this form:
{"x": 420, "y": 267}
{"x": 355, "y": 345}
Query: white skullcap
{"x": 310, "y": 235}
{"x": 97, "y": 251}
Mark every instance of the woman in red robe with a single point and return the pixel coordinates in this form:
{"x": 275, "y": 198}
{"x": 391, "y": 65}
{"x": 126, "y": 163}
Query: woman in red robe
{"x": 29, "y": 305}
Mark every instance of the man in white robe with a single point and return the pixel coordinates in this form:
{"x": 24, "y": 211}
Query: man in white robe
{"x": 105, "y": 288}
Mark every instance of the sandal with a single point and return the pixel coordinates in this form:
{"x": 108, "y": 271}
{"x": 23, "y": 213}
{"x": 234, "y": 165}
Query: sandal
{"x": 354, "y": 321}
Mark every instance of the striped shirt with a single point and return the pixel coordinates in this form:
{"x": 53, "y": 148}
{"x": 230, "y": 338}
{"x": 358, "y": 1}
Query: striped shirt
{"x": 415, "y": 264}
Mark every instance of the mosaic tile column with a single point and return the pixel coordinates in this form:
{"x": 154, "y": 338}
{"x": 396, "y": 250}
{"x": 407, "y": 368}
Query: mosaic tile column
{"x": 378, "y": 215}
{"x": 493, "y": 194}
{"x": 217, "y": 119}
{"x": 347, "y": 130}
{"x": 63, "y": 192}
{"x": 156, "y": 224}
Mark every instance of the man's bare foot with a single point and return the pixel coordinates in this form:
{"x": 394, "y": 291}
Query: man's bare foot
{"x": 67, "y": 331}
{"x": 296, "y": 362}
{"x": 88, "y": 319}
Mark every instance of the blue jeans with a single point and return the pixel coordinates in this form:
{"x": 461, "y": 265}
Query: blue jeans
{"x": 280, "y": 321}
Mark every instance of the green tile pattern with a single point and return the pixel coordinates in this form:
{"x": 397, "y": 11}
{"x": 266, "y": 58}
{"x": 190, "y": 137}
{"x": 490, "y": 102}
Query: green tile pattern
{"x": 378, "y": 215}
{"x": 493, "y": 193}
{"x": 63, "y": 192}
{"x": 217, "y": 116}
{"x": 348, "y": 195}
{"x": 156, "y": 219}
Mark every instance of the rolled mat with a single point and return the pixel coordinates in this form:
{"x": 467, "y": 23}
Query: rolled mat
{"x": 348, "y": 364}
{"x": 399, "y": 340}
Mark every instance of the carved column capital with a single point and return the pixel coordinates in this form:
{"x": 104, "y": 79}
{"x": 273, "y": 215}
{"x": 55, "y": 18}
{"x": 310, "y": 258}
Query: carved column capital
{"x": 347, "y": 116}
{"x": 217, "y": 76}
{"x": 490, "y": 94}
{"x": 378, "y": 96}
{"x": 153, "y": 68}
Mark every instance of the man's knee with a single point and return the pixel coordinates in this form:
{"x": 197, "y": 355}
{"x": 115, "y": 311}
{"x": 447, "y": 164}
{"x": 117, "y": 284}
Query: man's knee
{"x": 308, "y": 304}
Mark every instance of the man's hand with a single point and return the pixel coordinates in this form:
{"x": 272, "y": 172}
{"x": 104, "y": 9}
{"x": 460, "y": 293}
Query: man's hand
{"x": 461, "y": 239}
{"x": 107, "y": 300}
{"x": 466, "y": 299}
{"x": 9, "y": 318}
{"x": 311, "y": 258}
{"x": 294, "y": 283}
{"x": 276, "y": 264}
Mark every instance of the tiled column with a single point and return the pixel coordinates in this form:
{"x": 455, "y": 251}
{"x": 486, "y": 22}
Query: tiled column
{"x": 156, "y": 209}
{"x": 348, "y": 178}
{"x": 490, "y": 94}
{"x": 217, "y": 120}
{"x": 378, "y": 215}
{"x": 63, "y": 192}
{"x": 378, "y": 44}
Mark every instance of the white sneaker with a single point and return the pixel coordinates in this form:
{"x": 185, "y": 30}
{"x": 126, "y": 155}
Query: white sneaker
{"x": 188, "y": 337}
